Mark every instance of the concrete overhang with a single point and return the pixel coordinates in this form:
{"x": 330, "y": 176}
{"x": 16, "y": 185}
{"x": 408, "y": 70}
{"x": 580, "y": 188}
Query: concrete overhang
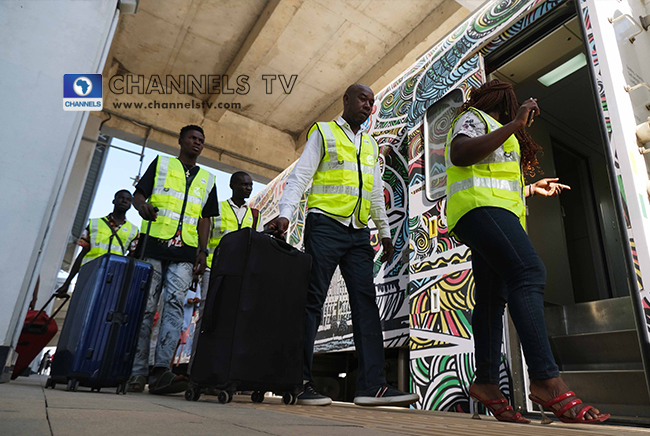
{"x": 309, "y": 51}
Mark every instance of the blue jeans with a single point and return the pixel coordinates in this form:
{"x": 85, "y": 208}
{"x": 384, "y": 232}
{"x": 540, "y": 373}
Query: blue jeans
{"x": 172, "y": 280}
{"x": 507, "y": 269}
{"x": 330, "y": 243}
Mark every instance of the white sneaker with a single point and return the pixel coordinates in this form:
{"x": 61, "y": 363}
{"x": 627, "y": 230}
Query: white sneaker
{"x": 384, "y": 396}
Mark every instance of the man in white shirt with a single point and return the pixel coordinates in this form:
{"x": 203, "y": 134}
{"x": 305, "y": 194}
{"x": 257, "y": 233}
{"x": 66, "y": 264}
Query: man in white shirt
{"x": 234, "y": 214}
{"x": 342, "y": 161}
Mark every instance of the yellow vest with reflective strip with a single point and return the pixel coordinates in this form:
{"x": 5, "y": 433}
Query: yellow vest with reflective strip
{"x": 169, "y": 196}
{"x": 495, "y": 181}
{"x": 225, "y": 223}
{"x": 100, "y": 237}
{"x": 344, "y": 179}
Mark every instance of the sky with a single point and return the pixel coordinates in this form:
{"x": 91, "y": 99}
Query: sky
{"x": 120, "y": 169}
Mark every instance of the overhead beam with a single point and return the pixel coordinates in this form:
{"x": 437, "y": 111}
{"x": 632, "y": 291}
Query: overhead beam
{"x": 236, "y": 142}
{"x": 274, "y": 19}
{"x": 434, "y": 27}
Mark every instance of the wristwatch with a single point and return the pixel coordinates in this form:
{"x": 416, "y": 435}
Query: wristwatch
{"x": 206, "y": 251}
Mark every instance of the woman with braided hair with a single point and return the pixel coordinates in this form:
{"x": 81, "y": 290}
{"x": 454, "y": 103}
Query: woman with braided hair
{"x": 487, "y": 152}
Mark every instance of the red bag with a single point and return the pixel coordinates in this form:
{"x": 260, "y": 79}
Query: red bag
{"x": 38, "y": 331}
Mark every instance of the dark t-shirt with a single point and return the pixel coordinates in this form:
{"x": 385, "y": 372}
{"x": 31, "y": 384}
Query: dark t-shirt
{"x": 173, "y": 249}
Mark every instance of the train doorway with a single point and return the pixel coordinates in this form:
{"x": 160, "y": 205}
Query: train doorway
{"x": 589, "y": 312}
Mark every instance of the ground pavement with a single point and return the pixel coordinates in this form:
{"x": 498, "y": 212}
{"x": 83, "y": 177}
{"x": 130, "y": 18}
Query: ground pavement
{"x": 27, "y": 409}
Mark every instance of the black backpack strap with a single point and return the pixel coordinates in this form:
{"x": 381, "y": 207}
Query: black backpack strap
{"x": 110, "y": 241}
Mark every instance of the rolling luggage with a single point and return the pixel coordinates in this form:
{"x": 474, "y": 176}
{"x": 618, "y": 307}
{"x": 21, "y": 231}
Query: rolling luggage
{"x": 38, "y": 331}
{"x": 98, "y": 340}
{"x": 251, "y": 335}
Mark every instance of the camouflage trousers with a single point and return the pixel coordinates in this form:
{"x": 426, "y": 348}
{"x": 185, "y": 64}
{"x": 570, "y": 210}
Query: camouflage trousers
{"x": 170, "y": 280}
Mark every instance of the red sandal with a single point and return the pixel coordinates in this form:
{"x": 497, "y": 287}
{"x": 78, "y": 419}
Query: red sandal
{"x": 559, "y": 413}
{"x": 497, "y": 412}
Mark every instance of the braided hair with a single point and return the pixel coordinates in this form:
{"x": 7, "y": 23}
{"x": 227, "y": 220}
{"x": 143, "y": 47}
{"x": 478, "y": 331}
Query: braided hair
{"x": 497, "y": 96}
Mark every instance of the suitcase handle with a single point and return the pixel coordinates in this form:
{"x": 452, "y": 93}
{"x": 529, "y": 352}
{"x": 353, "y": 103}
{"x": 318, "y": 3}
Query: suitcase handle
{"x": 284, "y": 246}
{"x": 64, "y": 296}
{"x": 145, "y": 239}
{"x": 117, "y": 318}
{"x": 279, "y": 243}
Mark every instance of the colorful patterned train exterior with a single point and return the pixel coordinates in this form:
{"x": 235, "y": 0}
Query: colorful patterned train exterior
{"x": 425, "y": 292}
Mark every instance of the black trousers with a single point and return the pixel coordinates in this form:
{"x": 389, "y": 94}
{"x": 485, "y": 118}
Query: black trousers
{"x": 507, "y": 269}
{"x": 332, "y": 244}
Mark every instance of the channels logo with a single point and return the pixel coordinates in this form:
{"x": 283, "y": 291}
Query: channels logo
{"x": 82, "y": 92}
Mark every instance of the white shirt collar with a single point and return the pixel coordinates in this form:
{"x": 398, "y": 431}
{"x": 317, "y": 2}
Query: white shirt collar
{"x": 341, "y": 122}
{"x": 232, "y": 203}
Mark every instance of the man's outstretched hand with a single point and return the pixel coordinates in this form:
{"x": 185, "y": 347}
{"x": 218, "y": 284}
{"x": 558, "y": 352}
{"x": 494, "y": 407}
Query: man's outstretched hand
{"x": 279, "y": 226}
{"x": 387, "y": 243}
{"x": 148, "y": 212}
{"x": 62, "y": 292}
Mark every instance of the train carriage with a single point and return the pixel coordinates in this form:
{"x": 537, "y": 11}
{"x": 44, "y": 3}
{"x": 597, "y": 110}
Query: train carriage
{"x": 586, "y": 62}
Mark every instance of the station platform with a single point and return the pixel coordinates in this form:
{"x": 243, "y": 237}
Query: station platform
{"x": 27, "y": 409}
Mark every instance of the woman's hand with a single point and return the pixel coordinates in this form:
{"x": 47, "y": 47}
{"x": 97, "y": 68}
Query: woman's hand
{"x": 546, "y": 188}
{"x": 528, "y": 106}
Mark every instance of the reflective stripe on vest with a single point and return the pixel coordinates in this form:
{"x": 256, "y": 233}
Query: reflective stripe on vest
{"x": 329, "y": 141}
{"x": 225, "y": 223}
{"x": 100, "y": 236}
{"x": 339, "y": 189}
{"x": 495, "y": 181}
{"x": 344, "y": 179}
{"x": 173, "y": 200}
{"x": 484, "y": 182}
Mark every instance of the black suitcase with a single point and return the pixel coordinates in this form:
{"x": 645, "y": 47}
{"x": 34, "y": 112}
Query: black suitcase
{"x": 251, "y": 336}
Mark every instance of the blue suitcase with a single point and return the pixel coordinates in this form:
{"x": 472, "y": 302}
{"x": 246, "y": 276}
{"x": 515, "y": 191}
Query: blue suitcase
{"x": 98, "y": 340}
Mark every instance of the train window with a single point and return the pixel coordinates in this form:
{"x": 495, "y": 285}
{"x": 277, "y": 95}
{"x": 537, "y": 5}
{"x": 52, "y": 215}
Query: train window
{"x": 437, "y": 123}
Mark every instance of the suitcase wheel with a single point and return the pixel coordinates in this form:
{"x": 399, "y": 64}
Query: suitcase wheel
{"x": 224, "y": 397}
{"x": 121, "y": 389}
{"x": 289, "y": 398}
{"x": 193, "y": 393}
{"x": 73, "y": 385}
{"x": 48, "y": 383}
{"x": 257, "y": 396}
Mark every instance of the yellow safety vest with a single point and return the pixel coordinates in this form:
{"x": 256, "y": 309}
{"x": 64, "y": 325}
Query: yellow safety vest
{"x": 175, "y": 201}
{"x": 344, "y": 178}
{"x": 225, "y": 223}
{"x": 100, "y": 238}
{"x": 495, "y": 181}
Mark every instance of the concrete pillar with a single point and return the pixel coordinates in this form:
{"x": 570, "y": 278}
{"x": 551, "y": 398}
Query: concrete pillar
{"x": 53, "y": 256}
{"x": 39, "y": 139}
